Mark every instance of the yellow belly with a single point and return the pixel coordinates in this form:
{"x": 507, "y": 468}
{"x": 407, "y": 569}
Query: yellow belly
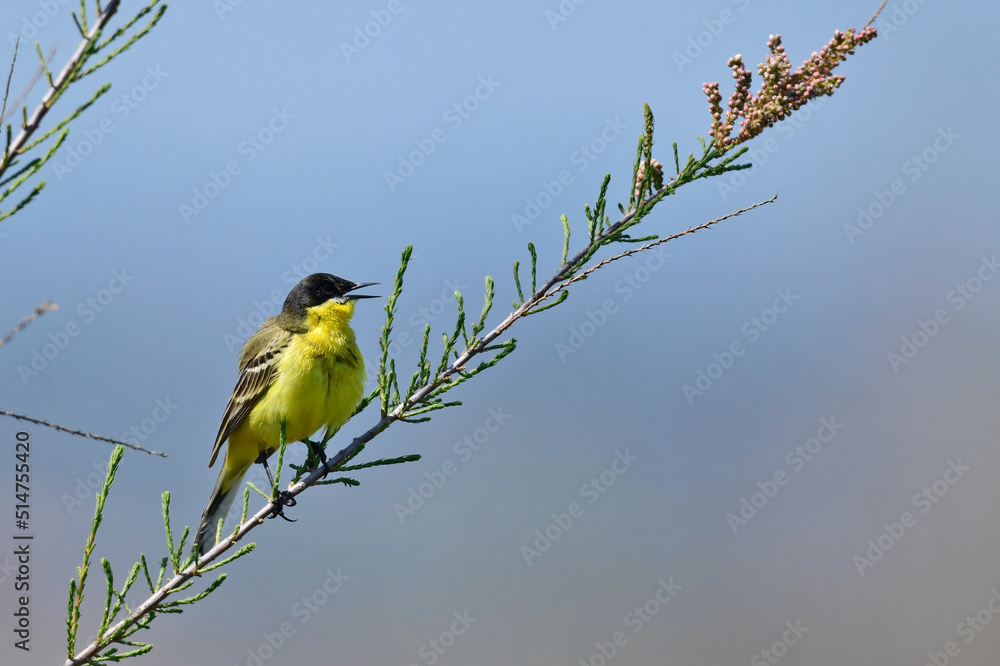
{"x": 317, "y": 385}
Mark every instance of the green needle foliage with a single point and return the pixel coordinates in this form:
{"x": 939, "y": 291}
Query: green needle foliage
{"x": 430, "y": 381}
{"x": 95, "y": 51}
{"x": 462, "y": 345}
{"x": 114, "y": 630}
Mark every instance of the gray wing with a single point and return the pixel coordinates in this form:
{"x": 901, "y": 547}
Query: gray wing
{"x": 258, "y": 370}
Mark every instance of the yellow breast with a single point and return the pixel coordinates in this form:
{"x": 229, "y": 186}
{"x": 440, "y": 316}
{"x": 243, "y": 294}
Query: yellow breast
{"x": 320, "y": 380}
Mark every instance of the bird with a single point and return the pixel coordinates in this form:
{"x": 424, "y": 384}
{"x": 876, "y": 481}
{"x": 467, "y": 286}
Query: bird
{"x": 302, "y": 367}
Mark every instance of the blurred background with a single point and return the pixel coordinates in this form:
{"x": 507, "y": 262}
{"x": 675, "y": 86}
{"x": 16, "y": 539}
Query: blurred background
{"x": 624, "y": 488}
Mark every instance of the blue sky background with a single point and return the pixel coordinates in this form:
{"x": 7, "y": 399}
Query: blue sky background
{"x": 316, "y": 197}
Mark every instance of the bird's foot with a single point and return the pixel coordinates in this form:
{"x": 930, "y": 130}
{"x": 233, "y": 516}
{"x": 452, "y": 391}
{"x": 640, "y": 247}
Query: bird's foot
{"x": 283, "y": 499}
{"x": 316, "y": 450}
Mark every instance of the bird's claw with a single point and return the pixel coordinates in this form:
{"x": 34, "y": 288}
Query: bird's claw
{"x": 283, "y": 499}
{"x": 316, "y": 450}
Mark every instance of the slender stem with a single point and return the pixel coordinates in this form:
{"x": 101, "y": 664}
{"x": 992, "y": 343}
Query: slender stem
{"x": 337, "y": 461}
{"x": 10, "y": 75}
{"x": 60, "y": 82}
{"x": 13, "y": 106}
{"x": 47, "y": 306}
{"x": 879, "y": 11}
{"x": 660, "y": 241}
{"x": 81, "y": 433}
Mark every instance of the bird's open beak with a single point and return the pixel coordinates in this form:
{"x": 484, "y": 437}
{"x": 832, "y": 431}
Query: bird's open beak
{"x": 362, "y": 285}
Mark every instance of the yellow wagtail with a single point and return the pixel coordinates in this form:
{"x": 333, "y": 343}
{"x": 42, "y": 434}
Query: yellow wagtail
{"x": 302, "y": 367}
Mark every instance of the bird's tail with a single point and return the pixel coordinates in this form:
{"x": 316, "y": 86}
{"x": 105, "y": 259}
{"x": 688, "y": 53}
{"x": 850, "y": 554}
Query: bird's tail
{"x": 226, "y": 489}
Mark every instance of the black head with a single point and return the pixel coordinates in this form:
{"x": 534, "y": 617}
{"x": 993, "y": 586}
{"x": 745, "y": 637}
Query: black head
{"x": 319, "y": 288}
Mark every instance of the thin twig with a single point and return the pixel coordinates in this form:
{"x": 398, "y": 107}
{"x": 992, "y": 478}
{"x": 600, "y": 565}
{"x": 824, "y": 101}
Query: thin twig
{"x": 62, "y": 80}
{"x": 81, "y": 433}
{"x": 659, "y": 241}
{"x": 31, "y": 84}
{"x": 10, "y": 75}
{"x": 337, "y": 461}
{"x": 872, "y": 19}
{"x": 47, "y": 306}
